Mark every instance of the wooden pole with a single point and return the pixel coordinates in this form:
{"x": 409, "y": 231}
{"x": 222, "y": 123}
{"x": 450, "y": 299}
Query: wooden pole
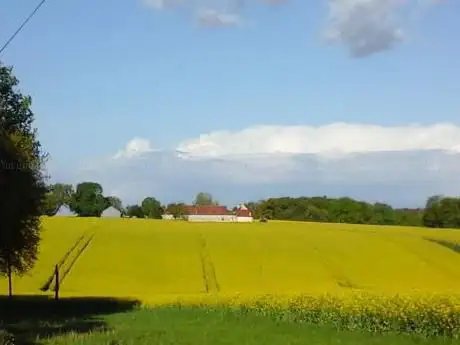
{"x": 10, "y": 280}
{"x": 9, "y": 273}
{"x": 56, "y": 289}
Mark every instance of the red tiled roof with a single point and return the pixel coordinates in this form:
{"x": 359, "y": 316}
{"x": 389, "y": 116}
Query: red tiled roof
{"x": 243, "y": 213}
{"x": 206, "y": 210}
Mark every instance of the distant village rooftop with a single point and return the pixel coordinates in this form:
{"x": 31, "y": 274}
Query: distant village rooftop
{"x": 215, "y": 213}
{"x": 208, "y": 210}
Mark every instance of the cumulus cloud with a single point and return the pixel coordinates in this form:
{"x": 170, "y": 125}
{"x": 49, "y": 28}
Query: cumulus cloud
{"x": 329, "y": 140}
{"x": 399, "y": 165}
{"x": 364, "y": 27}
{"x": 133, "y": 148}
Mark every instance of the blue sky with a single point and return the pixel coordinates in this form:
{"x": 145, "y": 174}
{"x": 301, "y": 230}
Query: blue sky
{"x": 102, "y": 73}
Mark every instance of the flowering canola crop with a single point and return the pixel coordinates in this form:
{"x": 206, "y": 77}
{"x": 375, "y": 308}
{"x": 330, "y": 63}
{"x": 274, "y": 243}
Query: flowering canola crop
{"x": 367, "y": 277}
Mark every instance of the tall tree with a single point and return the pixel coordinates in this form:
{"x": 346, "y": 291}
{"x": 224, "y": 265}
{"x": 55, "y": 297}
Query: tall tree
{"x": 89, "y": 200}
{"x": 432, "y": 215}
{"x": 152, "y": 208}
{"x": 22, "y": 187}
{"x": 62, "y": 192}
{"x": 442, "y": 212}
{"x": 204, "y": 199}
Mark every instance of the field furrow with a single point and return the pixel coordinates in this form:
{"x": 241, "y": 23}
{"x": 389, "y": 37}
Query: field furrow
{"x": 59, "y": 236}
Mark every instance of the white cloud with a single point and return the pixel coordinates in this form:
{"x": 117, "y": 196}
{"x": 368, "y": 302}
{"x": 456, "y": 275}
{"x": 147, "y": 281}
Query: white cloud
{"x": 133, "y": 148}
{"x": 335, "y": 139}
{"x": 401, "y": 165}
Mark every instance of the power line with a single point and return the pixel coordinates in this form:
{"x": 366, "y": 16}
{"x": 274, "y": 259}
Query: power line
{"x": 24, "y": 23}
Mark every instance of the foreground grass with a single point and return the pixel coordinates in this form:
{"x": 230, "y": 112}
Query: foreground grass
{"x": 36, "y": 320}
{"x": 180, "y": 326}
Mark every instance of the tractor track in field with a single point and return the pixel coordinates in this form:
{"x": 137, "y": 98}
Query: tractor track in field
{"x": 73, "y": 254}
{"x": 335, "y": 272}
{"x": 49, "y": 281}
{"x": 76, "y": 257}
{"x": 207, "y": 266}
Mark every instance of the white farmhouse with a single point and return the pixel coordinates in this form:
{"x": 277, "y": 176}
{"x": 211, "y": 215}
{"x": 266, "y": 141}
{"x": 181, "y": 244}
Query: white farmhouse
{"x": 214, "y": 213}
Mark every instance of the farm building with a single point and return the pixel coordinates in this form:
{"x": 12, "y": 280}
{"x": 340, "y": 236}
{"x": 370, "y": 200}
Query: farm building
{"x": 64, "y": 211}
{"x": 111, "y": 212}
{"x": 243, "y": 214}
{"x": 211, "y": 213}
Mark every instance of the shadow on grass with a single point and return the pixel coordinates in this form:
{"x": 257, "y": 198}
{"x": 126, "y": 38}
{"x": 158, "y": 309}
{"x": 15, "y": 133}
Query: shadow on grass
{"x": 31, "y": 318}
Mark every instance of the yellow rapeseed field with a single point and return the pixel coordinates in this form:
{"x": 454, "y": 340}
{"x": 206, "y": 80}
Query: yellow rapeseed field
{"x": 147, "y": 258}
{"x": 317, "y": 272}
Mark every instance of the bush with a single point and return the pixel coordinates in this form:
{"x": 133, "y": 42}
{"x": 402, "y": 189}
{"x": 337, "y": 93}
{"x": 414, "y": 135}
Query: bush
{"x": 6, "y": 338}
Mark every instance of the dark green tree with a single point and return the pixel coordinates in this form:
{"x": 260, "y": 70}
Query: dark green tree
{"x": 134, "y": 211}
{"x": 152, "y": 208}
{"x": 204, "y": 199}
{"x": 88, "y": 200}
{"x": 177, "y": 210}
{"x": 432, "y": 215}
{"x": 442, "y": 212}
{"x": 22, "y": 187}
{"x": 450, "y": 212}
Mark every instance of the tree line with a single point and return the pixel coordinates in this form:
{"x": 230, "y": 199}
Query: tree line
{"x": 88, "y": 200}
{"x": 334, "y": 210}
{"x": 439, "y": 212}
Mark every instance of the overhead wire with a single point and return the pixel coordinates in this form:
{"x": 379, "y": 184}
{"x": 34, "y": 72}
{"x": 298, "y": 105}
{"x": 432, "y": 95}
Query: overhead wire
{"x": 24, "y": 23}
